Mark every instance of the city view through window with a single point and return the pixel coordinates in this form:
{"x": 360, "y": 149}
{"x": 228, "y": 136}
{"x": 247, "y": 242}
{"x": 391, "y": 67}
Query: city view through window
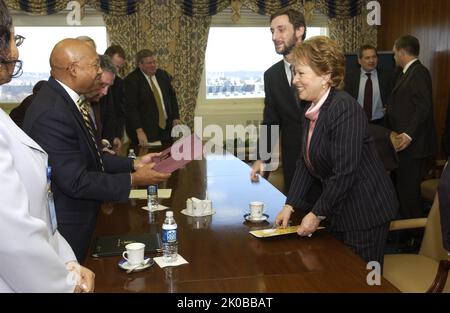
{"x": 236, "y": 58}
{"x": 35, "y": 53}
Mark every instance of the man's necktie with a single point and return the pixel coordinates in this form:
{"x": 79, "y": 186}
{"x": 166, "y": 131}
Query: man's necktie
{"x": 294, "y": 90}
{"x": 368, "y": 97}
{"x": 84, "y": 108}
{"x": 162, "y": 118}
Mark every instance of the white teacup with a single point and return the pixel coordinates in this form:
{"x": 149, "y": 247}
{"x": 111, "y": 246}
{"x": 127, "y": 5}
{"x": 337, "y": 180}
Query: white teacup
{"x": 135, "y": 253}
{"x": 256, "y": 209}
{"x": 189, "y": 206}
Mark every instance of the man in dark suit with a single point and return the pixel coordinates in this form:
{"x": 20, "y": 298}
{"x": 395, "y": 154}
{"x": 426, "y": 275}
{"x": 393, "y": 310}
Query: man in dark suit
{"x": 151, "y": 103}
{"x": 410, "y": 114}
{"x": 59, "y": 121}
{"x": 281, "y": 104}
{"x": 117, "y": 55}
{"x": 370, "y": 85}
{"x": 18, "y": 113}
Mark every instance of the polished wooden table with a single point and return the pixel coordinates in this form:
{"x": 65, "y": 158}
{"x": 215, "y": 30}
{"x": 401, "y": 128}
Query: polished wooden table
{"x": 223, "y": 257}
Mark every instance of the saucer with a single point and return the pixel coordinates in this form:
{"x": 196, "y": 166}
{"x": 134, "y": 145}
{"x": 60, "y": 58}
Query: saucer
{"x": 185, "y": 212}
{"x": 249, "y": 218}
{"x": 123, "y": 264}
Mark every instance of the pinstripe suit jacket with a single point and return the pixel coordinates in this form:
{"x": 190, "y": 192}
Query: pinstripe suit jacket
{"x": 357, "y": 193}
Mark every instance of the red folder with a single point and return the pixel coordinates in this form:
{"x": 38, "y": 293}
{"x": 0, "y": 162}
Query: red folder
{"x": 179, "y": 154}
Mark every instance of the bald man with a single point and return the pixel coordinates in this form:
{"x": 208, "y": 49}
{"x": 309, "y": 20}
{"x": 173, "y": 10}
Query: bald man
{"x": 82, "y": 177}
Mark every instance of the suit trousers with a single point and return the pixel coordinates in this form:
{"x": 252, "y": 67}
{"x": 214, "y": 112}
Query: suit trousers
{"x": 407, "y": 178}
{"x": 369, "y": 244}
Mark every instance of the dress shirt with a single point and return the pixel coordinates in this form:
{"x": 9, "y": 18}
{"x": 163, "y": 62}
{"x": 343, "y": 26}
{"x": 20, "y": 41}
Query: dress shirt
{"x": 155, "y": 81}
{"x": 377, "y": 104}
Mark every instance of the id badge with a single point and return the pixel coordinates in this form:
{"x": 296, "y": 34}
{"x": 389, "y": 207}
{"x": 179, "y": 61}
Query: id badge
{"x": 52, "y": 212}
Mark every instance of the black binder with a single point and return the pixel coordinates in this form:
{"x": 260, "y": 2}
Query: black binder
{"x": 115, "y": 245}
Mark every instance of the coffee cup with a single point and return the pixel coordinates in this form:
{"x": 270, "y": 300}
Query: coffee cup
{"x": 135, "y": 253}
{"x": 256, "y": 209}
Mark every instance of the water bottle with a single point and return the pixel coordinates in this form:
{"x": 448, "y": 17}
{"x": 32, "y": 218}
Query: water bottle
{"x": 152, "y": 197}
{"x": 169, "y": 238}
{"x": 131, "y": 154}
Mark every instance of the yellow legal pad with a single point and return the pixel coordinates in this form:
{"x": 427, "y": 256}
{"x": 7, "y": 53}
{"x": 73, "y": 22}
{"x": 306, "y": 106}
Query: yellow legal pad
{"x": 271, "y": 232}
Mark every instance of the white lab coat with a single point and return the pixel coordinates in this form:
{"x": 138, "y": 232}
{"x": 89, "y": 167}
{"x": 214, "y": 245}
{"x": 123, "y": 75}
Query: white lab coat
{"x": 32, "y": 259}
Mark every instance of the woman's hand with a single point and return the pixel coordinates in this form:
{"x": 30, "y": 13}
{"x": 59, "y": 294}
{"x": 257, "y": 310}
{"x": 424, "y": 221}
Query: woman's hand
{"x": 284, "y": 215}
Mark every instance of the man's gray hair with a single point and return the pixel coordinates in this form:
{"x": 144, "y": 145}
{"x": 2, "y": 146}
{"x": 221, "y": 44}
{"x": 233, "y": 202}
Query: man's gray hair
{"x": 142, "y": 54}
{"x": 106, "y": 64}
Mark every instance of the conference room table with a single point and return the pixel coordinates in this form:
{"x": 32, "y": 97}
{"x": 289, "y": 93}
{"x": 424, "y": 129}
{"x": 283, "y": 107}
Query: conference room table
{"x": 223, "y": 256}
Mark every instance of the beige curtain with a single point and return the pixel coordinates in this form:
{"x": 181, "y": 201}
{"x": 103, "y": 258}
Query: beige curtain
{"x": 178, "y": 40}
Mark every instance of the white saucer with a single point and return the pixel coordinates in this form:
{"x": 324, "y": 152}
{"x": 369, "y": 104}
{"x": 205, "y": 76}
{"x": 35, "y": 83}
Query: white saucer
{"x": 123, "y": 264}
{"x": 249, "y": 218}
{"x": 185, "y": 212}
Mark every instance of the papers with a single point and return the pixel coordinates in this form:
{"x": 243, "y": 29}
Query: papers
{"x": 142, "y": 193}
{"x": 160, "y": 261}
{"x": 179, "y": 154}
{"x": 153, "y": 144}
{"x": 271, "y": 232}
{"x": 160, "y": 208}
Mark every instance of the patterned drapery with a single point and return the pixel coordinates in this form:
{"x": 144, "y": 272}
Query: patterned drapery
{"x": 46, "y": 7}
{"x": 340, "y": 9}
{"x": 178, "y": 40}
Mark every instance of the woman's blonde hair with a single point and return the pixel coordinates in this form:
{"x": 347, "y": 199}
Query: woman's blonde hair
{"x": 324, "y": 56}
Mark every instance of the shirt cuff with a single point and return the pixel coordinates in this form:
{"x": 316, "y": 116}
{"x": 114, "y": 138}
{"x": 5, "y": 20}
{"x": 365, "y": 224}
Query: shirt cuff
{"x": 409, "y": 137}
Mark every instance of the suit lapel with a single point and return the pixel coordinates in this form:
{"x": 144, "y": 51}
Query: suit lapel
{"x": 290, "y": 102}
{"x": 319, "y": 128}
{"x": 76, "y": 114}
{"x": 408, "y": 73}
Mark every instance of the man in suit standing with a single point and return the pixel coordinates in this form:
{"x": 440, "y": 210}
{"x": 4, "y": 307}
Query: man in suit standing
{"x": 58, "y": 119}
{"x": 117, "y": 55}
{"x": 370, "y": 85}
{"x": 152, "y": 106}
{"x": 281, "y": 104}
{"x": 410, "y": 114}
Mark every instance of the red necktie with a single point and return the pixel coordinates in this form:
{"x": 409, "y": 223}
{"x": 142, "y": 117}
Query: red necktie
{"x": 368, "y": 97}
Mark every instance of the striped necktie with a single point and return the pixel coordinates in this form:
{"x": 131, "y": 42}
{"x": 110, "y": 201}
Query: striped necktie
{"x": 84, "y": 109}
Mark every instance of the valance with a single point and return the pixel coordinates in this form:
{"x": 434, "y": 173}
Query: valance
{"x": 46, "y": 7}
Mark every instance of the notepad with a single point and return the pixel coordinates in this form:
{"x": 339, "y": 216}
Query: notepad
{"x": 142, "y": 193}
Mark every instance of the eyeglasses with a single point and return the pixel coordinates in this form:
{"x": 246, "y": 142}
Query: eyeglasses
{"x": 19, "y": 40}
{"x": 17, "y": 66}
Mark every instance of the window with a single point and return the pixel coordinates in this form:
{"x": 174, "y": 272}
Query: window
{"x": 236, "y": 58}
{"x": 35, "y": 53}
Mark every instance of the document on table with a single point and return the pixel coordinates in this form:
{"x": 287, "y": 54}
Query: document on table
{"x": 142, "y": 193}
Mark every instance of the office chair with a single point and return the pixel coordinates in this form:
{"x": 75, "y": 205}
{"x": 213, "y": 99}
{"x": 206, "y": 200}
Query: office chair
{"x": 426, "y": 271}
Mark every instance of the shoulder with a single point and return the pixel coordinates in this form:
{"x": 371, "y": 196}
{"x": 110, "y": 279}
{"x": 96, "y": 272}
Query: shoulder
{"x": 160, "y": 73}
{"x": 343, "y": 102}
{"x": 277, "y": 67}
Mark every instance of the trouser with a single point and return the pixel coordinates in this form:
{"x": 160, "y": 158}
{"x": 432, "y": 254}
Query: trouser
{"x": 407, "y": 178}
{"x": 369, "y": 244}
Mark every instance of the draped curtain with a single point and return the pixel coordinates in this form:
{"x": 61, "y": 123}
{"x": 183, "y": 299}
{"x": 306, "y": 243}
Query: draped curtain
{"x": 177, "y": 30}
{"x": 45, "y": 7}
{"x": 178, "y": 40}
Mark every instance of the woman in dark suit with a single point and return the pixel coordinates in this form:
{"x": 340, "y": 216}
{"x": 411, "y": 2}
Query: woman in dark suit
{"x": 358, "y": 197}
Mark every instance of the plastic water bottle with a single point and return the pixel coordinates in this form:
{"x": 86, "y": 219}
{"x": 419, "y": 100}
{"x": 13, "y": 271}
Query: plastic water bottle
{"x": 152, "y": 197}
{"x": 131, "y": 154}
{"x": 169, "y": 238}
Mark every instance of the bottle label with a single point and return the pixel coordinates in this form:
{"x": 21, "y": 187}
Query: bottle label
{"x": 169, "y": 235}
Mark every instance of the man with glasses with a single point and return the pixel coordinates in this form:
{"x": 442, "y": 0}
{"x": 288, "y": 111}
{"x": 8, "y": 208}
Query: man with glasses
{"x": 59, "y": 120}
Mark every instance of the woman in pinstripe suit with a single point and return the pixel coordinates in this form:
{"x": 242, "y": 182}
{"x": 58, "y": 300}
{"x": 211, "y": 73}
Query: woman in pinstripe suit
{"x": 358, "y": 197}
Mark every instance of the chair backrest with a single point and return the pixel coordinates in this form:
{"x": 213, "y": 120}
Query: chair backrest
{"x": 432, "y": 240}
